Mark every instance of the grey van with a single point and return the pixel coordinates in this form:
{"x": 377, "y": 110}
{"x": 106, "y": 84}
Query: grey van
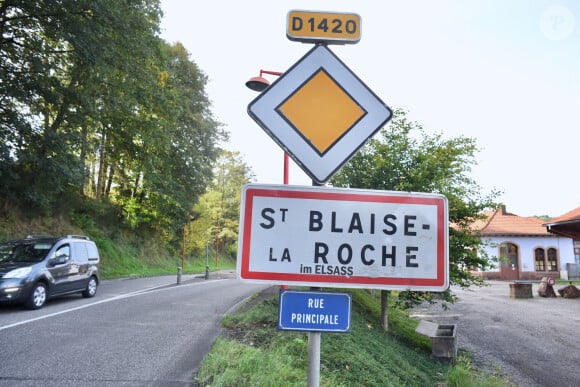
{"x": 36, "y": 268}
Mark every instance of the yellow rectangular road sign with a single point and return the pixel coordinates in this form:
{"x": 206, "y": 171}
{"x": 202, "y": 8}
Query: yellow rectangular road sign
{"x": 325, "y": 27}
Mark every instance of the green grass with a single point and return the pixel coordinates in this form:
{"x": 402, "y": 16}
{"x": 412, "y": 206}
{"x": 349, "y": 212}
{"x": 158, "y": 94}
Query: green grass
{"x": 253, "y": 352}
{"x": 120, "y": 259}
{"x": 563, "y": 282}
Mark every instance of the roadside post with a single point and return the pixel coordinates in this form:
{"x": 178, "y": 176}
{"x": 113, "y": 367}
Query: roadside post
{"x": 320, "y": 113}
{"x": 207, "y": 260}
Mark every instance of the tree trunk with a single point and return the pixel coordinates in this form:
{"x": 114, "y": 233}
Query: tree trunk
{"x": 102, "y": 163}
{"x": 109, "y": 181}
{"x": 83, "y": 158}
{"x": 385, "y": 310}
{"x": 92, "y": 180}
{"x": 136, "y": 185}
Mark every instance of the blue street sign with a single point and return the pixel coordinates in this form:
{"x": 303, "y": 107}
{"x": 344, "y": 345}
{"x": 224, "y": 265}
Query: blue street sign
{"x": 314, "y": 311}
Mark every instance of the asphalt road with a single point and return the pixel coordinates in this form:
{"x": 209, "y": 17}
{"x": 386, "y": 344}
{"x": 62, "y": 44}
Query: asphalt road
{"x": 152, "y": 332}
{"x": 135, "y": 332}
{"x": 535, "y": 342}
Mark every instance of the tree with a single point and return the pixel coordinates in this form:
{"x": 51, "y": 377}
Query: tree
{"x": 67, "y": 75}
{"x": 220, "y": 205}
{"x": 167, "y": 162}
{"x": 404, "y": 157}
{"x": 93, "y": 102}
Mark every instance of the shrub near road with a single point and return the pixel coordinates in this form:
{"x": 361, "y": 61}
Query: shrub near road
{"x": 253, "y": 352}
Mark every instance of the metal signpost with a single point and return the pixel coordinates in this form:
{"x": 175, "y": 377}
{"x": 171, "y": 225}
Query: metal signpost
{"x": 316, "y": 236}
{"x": 320, "y": 113}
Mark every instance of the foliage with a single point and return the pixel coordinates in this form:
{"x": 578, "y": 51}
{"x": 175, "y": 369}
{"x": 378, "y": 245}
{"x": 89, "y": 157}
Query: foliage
{"x": 218, "y": 208}
{"x": 404, "y": 157}
{"x": 58, "y": 59}
{"x": 94, "y": 103}
{"x": 464, "y": 374}
{"x": 123, "y": 252}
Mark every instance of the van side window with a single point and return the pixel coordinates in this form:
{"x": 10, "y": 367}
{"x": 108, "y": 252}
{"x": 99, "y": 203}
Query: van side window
{"x": 92, "y": 251}
{"x": 80, "y": 252}
{"x": 63, "y": 250}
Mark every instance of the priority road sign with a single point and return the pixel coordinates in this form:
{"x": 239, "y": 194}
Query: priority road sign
{"x": 320, "y": 113}
{"x": 330, "y": 237}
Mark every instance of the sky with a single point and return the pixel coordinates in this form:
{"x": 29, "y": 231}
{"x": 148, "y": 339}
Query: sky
{"x": 505, "y": 73}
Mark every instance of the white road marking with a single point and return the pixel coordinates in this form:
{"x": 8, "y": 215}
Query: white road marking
{"x": 128, "y": 295}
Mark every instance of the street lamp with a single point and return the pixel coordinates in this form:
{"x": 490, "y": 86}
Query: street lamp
{"x": 260, "y": 84}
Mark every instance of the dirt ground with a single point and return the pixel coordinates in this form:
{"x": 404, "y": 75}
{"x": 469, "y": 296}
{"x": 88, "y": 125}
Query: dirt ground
{"x": 534, "y": 341}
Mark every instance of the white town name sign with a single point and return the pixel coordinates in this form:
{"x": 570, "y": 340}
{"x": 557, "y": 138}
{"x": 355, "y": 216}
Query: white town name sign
{"x": 328, "y": 237}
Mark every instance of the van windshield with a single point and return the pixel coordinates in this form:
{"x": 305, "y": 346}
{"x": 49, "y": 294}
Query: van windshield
{"x": 24, "y": 252}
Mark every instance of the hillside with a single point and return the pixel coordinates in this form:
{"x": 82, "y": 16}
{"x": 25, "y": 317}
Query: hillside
{"x": 123, "y": 251}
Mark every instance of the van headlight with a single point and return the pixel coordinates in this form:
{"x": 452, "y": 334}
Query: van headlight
{"x": 18, "y": 273}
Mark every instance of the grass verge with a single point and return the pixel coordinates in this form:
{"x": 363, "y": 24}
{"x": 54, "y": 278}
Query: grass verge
{"x": 253, "y": 352}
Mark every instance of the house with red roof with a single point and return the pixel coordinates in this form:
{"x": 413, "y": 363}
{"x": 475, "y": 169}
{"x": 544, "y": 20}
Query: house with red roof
{"x": 569, "y": 225}
{"x": 566, "y": 225}
{"x": 524, "y": 247}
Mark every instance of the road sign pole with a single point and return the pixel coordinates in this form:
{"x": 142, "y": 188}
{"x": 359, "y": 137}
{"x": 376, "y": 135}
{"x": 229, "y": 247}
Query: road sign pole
{"x": 314, "y": 339}
{"x": 314, "y": 359}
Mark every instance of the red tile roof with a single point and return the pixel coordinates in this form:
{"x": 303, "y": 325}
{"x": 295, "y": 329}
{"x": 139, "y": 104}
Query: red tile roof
{"x": 567, "y": 225}
{"x": 570, "y": 215}
{"x": 501, "y": 222}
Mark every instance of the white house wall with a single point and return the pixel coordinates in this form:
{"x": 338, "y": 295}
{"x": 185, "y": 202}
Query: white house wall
{"x": 526, "y": 246}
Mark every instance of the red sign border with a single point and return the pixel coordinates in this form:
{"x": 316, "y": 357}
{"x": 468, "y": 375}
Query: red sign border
{"x": 438, "y": 283}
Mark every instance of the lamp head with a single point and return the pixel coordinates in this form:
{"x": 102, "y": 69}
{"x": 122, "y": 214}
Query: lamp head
{"x": 258, "y": 83}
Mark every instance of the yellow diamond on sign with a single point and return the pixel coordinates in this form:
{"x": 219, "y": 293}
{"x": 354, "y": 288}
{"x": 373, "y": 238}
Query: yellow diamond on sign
{"x": 321, "y": 111}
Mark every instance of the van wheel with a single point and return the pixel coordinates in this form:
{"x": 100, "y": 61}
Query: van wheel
{"x": 37, "y": 297}
{"x": 91, "y": 289}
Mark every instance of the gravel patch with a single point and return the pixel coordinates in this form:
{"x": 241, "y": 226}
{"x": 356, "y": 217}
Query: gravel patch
{"x": 535, "y": 342}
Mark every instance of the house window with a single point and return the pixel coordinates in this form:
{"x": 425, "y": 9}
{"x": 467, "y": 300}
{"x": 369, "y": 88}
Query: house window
{"x": 577, "y": 254}
{"x": 552, "y": 259}
{"x": 540, "y": 259}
